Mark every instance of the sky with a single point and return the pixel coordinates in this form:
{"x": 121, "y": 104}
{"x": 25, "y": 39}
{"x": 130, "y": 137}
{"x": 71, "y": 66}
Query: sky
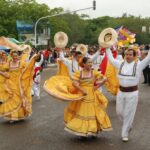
{"x": 113, "y": 8}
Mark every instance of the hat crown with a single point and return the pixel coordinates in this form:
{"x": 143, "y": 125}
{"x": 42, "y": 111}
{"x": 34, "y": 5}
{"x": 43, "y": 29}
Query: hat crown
{"x": 107, "y": 38}
{"x": 60, "y": 39}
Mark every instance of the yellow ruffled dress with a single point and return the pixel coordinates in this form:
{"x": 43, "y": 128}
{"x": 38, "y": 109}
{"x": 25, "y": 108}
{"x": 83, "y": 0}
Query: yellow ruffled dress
{"x": 60, "y": 85}
{"x": 4, "y": 95}
{"x": 87, "y": 116}
{"x": 18, "y": 107}
{"x": 112, "y": 84}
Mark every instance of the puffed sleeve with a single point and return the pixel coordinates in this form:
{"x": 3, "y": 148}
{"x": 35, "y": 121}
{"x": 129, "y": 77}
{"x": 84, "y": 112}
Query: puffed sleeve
{"x": 76, "y": 76}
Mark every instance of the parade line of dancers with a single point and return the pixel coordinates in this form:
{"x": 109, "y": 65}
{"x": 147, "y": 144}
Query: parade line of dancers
{"x": 78, "y": 81}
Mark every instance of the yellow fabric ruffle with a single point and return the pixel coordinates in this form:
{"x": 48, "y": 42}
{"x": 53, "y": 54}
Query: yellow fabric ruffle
{"x": 4, "y": 95}
{"x": 61, "y": 87}
{"x": 62, "y": 69}
{"x": 112, "y": 84}
{"x": 87, "y": 118}
{"x": 24, "y": 57}
{"x": 14, "y": 102}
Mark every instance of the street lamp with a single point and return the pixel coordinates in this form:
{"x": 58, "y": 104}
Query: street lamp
{"x": 35, "y": 28}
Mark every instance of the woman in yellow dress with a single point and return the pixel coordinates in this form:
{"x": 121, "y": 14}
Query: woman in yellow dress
{"x": 4, "y": 95}
{"x": 18, "y": 107}
{"x": 87, "y": 116}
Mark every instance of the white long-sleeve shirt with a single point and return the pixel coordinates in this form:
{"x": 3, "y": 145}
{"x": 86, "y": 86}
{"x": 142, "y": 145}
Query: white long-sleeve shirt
{"x": 72, "y": 65}
{"x": 94, "y": 56}
{"x": 38, "y": 64}
{"x": 96, "y": 59}
{"x": 119, "y": 57}
{"x": 126, "y": 76}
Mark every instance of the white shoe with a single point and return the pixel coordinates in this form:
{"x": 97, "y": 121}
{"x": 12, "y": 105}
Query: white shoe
{"x": 125, "y": 139}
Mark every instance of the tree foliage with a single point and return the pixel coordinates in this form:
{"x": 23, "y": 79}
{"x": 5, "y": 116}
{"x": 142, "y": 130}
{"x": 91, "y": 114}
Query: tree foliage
{"x": 79, "y": 28}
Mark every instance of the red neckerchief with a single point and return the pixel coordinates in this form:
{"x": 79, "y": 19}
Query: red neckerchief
{"x": 103, "y": 64}
{"x": 35, "y": 71}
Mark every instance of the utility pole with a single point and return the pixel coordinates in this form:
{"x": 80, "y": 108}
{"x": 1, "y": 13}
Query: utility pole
{"x": 50, "y": 16}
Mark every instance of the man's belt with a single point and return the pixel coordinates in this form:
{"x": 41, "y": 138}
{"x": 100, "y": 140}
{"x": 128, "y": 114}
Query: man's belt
{"x": 128, "y": 89}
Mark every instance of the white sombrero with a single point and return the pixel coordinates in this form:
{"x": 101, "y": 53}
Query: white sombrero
{"x": 60, "y": 39}
{"x": 107, "y": 38}
{"x": 82, "y": 48}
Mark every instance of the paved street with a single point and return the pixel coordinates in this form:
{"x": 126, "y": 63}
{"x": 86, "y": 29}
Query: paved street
{"x": 44, "y": 129}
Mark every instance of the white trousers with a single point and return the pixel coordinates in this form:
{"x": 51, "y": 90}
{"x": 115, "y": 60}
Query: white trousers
{"x": 126, "y": 108}
{"x": 36, "y": 90}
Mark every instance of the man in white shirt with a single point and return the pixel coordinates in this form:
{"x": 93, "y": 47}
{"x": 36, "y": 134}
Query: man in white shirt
{"x": 127, "y": 98}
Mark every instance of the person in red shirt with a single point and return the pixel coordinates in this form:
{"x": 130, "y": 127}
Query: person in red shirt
{"x": 46, "y": 53}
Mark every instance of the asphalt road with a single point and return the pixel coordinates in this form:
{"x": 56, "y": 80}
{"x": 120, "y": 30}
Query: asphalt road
{"x": 44, "y": 130}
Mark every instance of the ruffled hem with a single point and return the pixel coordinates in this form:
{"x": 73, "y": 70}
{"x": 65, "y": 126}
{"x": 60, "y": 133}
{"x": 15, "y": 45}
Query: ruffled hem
{"x": 9, "y": 107}
{"x": 61, "y": 87}
{"x": 80, "y": 133}
{"x": 86, "y": 134}
{"x": 88, "y": 117}
{"x": 87, "y": 124}
{"x": 20, "y": 114}
{"x": 91, "y": 123}
{"x": 17, "y": 118}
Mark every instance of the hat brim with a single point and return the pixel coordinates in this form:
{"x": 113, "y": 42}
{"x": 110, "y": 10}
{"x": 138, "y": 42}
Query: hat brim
{"x": 112, "y": 41}
{"x": 60, "y": 39}
{"x": 82, "y": 48}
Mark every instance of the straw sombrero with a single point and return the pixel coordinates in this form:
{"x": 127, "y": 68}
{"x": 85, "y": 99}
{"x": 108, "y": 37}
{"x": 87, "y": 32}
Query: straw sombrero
{"x": 107, "y": 38}
{"x": 60, "y": 39}
{"x": 82, "y": 48}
